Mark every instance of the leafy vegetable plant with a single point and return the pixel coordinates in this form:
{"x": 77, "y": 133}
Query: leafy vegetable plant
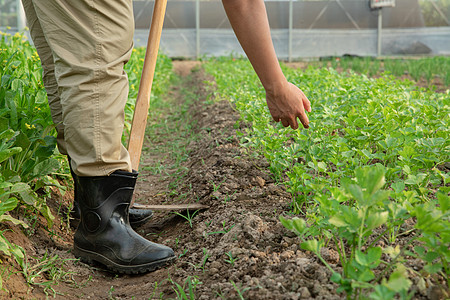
{"x": 368, "y": 173}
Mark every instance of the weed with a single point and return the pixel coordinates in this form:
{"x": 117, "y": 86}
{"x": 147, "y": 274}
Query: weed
{"x": 217, "y": 186}
{"x": 202, "y": 264}
{"x": 188, "y": 216}
{"x": 228, "y": 197}
{"x": 191, "y": 283}
{"x": 231, "y": 260}
{"x": 239, "y": 290}
{"x": 46, "y": 272}
{"x": 223, "y": 231}
{"x": 110, "y": 293}
{"x": 183, "y": 253}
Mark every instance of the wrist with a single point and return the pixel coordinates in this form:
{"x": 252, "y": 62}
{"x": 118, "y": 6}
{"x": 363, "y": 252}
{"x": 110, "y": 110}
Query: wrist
{"x": 276, "y": 86}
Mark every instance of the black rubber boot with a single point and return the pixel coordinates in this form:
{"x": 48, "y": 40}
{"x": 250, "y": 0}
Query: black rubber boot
{"x": 137, "y": 216}
{"x": 105, "y": 235}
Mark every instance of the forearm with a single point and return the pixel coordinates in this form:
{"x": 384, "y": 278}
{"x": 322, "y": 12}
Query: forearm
{"x": 249, "y": 21}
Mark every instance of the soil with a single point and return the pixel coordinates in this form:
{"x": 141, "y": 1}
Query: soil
{"x": 235, "y": 249}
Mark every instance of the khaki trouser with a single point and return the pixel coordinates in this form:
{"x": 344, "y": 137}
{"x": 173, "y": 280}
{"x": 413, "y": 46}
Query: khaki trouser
{"x": 83, "y": 46}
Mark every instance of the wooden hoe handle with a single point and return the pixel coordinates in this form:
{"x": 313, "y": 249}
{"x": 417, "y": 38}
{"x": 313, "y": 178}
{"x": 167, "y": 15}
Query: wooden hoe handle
{"x": 143, "y": 98}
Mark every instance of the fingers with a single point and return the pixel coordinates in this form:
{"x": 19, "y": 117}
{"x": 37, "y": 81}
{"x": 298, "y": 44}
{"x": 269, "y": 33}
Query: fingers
{"x": 290, "y": 121}
{"x": 304, "y": 119}
{"x": 306, "y": 103}
{"x": 285, "y": 122}
{"x": 288, "y": 106}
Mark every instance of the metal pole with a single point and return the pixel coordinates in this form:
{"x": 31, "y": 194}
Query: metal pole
{"x": 380, "y": 29}
{"x": 291, "y": 19}
{"x": 197, "y": 28}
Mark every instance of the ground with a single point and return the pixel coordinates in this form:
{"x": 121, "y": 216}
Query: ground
{"x": 236, "y": 249}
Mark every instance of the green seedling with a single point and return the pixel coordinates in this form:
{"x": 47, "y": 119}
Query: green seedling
{"x": 183, "y": 253}
{"x": 223, "y": 231}
{"x": 110, "y": 293}
{"x": 216, "y": 187}
{"x": 239, "y": 290}
{"x": 228, "y": 197}
{"x": 202, "y": 264}
{"x": 191, "y": 283}
{"x": 231, "y": 260}
{"x": 188, "y": 217}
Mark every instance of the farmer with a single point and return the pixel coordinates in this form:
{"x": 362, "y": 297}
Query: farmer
{"x": 83, "y": 46}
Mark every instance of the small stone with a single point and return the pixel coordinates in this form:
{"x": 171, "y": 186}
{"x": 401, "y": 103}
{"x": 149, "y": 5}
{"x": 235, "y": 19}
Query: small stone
{"x": 287, "y": 254}
{"x": 302, "y": 261}
{"x": 213, "y": 271}
{"x": 304, "y": 293}
{"x": 261, "y": 182}
{"x": 216, "y": 265}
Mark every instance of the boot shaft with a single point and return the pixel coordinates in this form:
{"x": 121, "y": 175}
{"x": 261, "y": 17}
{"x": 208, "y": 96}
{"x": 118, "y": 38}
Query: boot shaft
{"x": 105, "y": 198}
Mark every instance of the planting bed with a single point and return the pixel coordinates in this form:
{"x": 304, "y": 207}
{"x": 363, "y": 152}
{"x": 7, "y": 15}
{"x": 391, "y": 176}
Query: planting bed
{"x": 356, "y": 206}
{"x": 236, "y": 249}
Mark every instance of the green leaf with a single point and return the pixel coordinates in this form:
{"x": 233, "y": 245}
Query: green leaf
{"x": 398, "y": 281}
{"x": 8, "y": 205}
{"x": 45, "y": 211}
{"x": 47, "y": 149}
{"x": 374, "y": 255}
{"x": 18, "y": 253}
{"x": 4, "y": 123}
{"x": 22, "y": 141}
{"x": 13, "y": 112}
{"x": 311, "y": 245}
{"x": 17, "y": 84}
{"x": 444, "y": 201}
{"x": 382, "y": 292}
{"x": 374, "y": 180}
{"x": 299, "y": 225}
{"x": 356, "y": 191}
{"x": 361, "y": 258}
{"x": 4, "y": 246}
{"x": 398, "y": 187}
{"x": 371, "y": 259}
{"x": 4, "y": 218}
{"x": 375, "y": 220}
{"x": 419, "y": 250}
{"x": 338, "y": 221}
{"x": 430, "y": 256}
{"x": 45, "y": 167}
{"x": 286, "y": 223}
{"x": 378, "y": 197}
{"x": 322, "y": 166}
{"x": 366, "y": 275}
{"x": 433, "y": 268}
{"x": 7, "y": 134}
{"x": 25, "y": 192}
{"x": 5, "y": 184}
{"x": 336, "y": 277}
{"x": 7, "y": 153}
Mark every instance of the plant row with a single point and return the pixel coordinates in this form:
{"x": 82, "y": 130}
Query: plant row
{"x": 369, "y": 177}
{"x": 30, "y": 163}
{"x": 426, "y": 68}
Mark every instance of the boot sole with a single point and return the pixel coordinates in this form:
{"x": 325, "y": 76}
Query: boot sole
{"x": 90, "y": 258}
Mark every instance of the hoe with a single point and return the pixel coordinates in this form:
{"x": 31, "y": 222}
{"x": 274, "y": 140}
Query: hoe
{"x": 143, "y": 102}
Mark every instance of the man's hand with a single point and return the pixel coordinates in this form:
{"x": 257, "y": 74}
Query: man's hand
{"x": 287, "y": 103}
